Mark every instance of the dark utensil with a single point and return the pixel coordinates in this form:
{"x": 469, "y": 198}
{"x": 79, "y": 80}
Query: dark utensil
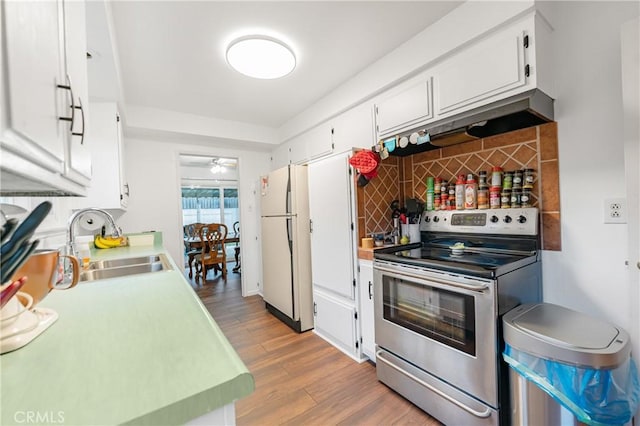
{"x": 7, "y": 229}
{"x": 21, "y": 255}
{"x": 26, "y": 229}
{"x": 11, "y": 290}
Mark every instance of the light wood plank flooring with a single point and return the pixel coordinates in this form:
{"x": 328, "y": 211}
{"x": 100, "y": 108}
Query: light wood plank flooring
{"x": 300, "y": 378}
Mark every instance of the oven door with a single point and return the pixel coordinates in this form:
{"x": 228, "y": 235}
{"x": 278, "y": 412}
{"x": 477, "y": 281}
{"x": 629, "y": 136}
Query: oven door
{"x": 444, "y": 324}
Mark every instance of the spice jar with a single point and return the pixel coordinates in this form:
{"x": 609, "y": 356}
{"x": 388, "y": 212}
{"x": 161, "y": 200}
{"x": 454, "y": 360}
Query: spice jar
{"x": 444, "y": 196}
{"x": 482, "y": 179}
{"x": 507, "y": 180}
{"x": 460, "y": 193}
{"x": 517, "y": 179}
{"x": 505, "y": 199}
{"x": 529, "y": 177}
{"x": 483, "y": 198}
{"x": 496, "y": 177}
{"x": 494, "y": 198}
{"x": 452, "y": 198}
{"x": 525, "y": 200}
{"x": 438, "y": 186}
{"x": 470, "y": 193}
{"x": 516, "y": 198}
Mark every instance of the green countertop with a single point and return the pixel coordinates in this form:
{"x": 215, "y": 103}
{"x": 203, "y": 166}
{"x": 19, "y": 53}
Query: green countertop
{"x": 140, "y": 349}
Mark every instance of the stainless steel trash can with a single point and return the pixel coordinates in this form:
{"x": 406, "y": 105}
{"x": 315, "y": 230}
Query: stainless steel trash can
{"x": 552, "y": 332}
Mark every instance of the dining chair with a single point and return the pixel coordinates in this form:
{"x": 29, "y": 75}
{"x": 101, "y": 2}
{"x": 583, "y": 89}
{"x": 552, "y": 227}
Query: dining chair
{"x": 236, "y": 234}
{"x": 192, "y": 231}
{"x": 212, "y": 254}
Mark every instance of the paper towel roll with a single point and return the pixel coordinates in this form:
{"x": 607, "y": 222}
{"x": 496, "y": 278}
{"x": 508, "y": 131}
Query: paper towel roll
{"x": 91, "y": 221}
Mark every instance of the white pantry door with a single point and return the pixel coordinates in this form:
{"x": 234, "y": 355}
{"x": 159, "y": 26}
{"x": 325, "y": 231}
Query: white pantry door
{"x": 331, "y": 236}
{"x": 631, "y": 108}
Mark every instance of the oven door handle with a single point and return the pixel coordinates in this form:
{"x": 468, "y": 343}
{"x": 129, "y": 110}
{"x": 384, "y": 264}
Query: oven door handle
{"x": 472, "y": 287}
{"x": 481, "y": 414}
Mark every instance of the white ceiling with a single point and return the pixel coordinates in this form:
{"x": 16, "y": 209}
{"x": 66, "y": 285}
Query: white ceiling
{"x": 171, "y": 53}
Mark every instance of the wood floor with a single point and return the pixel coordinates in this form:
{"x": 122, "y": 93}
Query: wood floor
{"x": 300, "y": 378}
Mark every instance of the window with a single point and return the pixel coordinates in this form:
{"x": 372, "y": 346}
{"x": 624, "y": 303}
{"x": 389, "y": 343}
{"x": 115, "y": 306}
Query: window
{"x": 210, "y": 205}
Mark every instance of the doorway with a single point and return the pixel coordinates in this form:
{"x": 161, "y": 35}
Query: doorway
{"x": 209, "y": 194}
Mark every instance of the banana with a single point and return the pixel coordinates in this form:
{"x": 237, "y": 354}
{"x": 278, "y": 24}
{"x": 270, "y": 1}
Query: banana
{"x": 111, "y": 241}
{"x": 97, "y": 241}
{"x": 108, "y": 242}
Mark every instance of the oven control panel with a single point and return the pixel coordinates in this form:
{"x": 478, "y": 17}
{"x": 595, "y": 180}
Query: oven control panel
{"x": 518, "y": 221}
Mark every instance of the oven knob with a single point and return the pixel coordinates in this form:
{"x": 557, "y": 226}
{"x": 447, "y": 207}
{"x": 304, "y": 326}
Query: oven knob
{"x": 427, "y": 219}
{"x": 436, "y": 219}
{"x": 507, "y": 219}
{"x": 494, "y": 218}
{"x": 522, "y": 219}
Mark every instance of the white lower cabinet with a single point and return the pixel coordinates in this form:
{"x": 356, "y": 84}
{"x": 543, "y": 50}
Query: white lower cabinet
{"x": 335, "y": 321}
{"x": 367, "y": 320}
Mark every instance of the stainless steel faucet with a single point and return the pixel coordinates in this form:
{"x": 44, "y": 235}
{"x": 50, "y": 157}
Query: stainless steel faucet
{"x": 71, "y": 244}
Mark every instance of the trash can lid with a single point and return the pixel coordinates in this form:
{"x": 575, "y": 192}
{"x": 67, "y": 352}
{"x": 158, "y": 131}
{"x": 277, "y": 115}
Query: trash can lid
{"x": 554, "y": 332}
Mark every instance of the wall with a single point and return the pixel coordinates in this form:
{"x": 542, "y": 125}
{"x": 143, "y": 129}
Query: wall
{"x": 590, "y": 274}
{"x": 153, "y": 173}
{"x": 534, "y": 147}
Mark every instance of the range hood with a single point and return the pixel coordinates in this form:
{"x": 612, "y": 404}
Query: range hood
{"x": 526, "y": 109}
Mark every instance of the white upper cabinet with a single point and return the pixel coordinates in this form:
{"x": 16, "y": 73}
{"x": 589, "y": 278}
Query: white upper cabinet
{"x": 44, "y": 51}
{"x": 318, "y": 141}
{"x": 354, "y": 128}
{"x": 410, "y": 106}
{"x": 109, "y": 188}
{"x": 492, "y": 68}
{"x": 280, "y": 156}
{"x": 33, "y": 68}
{"x": 79, "y": 159}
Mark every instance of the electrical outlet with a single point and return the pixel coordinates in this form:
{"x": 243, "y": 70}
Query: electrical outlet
{"x": 615, "y": 210}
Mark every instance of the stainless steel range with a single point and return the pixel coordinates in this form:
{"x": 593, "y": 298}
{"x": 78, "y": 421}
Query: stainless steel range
{"x": 438, "y": 308}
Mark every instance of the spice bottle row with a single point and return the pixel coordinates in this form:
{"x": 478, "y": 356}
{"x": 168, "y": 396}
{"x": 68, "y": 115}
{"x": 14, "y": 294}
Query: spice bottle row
{"x": 496, "y": 189}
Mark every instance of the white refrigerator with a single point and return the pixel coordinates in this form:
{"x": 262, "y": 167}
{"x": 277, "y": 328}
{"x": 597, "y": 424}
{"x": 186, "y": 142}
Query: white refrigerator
{"x": 286, "y": 247}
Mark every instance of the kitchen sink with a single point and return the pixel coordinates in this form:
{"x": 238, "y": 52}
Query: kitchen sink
{"x": 127, "y": 261}
{"x": 113, "y": 268}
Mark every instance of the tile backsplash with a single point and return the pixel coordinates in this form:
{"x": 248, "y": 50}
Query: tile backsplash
{"x": 405, "y": 177}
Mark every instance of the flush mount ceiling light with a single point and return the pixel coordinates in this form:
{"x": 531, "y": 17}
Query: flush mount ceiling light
{"x": 261, "y": 57}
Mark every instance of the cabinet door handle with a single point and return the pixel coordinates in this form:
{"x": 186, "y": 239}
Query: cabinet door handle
{"x": 81, "y": 134}
{"x": 126, "y": 185}
{"x": 69, "y": 87}
{"x": 370, "y": 295}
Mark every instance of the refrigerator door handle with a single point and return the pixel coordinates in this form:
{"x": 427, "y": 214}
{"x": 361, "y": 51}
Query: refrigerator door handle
{"x": 290, "y": 243}
{"x": 288, "y": 198}
{"x": 289, "y": 232}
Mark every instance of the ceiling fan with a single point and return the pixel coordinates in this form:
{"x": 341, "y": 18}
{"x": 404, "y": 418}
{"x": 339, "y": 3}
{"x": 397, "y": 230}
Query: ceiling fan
{"x": 220, "y": 165}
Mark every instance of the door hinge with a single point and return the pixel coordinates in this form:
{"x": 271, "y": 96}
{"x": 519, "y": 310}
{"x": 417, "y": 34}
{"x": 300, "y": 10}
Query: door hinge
{"x": 354, "y": 282}
{"x": 355, "y": 315}
{"x": 315, "y": 309}
{"x": 332, "y": 130}
{"x": 360, "y": 339}
{"x": 357, "y": 345}
{"x": 350, "y": 172}
{"x": 332, "y": 146}
{"x": 310, "y": 226}
{"x": 358, "y": 268}
{"x": 527, "y": 70}
{"x": 526, "y": 41}
{"x": 352, "y": 228}
{"x": 117, "y": 118}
